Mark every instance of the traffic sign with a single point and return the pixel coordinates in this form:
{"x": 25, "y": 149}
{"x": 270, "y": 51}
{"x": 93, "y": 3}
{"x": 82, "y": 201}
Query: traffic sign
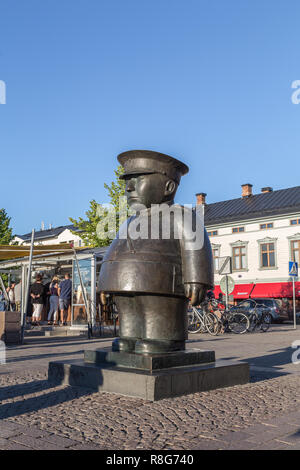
{"x": 227, "y": 285}
{"x": 225, "y": 265}
{"x": 293, "y": 268}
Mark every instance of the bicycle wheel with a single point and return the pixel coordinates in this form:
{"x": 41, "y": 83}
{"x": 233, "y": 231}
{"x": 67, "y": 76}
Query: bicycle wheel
{"x": 212, "y": 324}
{"x": 238, "y": 323}
{"x": 266, "y": 320}
{"x": 252, "y": 322}
{"x": 194, "y": 322}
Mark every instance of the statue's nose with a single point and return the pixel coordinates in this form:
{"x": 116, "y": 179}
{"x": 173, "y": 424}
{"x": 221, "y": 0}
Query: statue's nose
{"x": 130, "y": 186}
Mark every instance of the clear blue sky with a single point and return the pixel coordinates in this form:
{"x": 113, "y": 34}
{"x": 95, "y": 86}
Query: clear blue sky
{"x": 207, "y": 81}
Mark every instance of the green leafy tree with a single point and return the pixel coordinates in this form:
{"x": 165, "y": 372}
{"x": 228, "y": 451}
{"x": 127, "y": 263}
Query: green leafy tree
{"x": 96, "y": 213}
{"x": 6, "y": 235}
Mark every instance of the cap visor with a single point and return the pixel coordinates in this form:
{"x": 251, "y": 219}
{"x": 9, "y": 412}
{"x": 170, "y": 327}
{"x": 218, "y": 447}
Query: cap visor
{"x": 136, "y": 172}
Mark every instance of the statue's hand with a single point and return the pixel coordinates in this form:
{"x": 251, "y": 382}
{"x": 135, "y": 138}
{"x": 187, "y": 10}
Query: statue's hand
{"x": 103, "y": 298}
{"x": 195, "y": 291}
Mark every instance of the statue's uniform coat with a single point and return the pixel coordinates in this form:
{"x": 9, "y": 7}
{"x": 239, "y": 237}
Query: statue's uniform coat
{"x": 156, "y": 266}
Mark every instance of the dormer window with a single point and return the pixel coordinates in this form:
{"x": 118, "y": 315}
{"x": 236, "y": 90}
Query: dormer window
{"x": 266, "y": 226}
{"x": 214, "y": 233}
{"x": 295, "y": 222}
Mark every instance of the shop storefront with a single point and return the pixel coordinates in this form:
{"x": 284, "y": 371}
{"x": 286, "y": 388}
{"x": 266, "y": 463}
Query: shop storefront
{"x": 60, "y": 263}
{"x": 274, "y": 290}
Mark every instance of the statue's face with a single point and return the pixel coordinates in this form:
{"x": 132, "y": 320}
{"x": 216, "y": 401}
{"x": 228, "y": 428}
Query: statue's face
{"x": 145, "y": 189}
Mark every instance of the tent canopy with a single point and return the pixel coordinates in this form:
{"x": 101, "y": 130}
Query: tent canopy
{"x": 8, "y": 252}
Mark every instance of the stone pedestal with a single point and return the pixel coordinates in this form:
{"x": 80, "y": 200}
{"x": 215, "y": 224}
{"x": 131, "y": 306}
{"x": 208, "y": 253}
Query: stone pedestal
{"x": 150, "y": 377}
{"x": 10, "y": 327}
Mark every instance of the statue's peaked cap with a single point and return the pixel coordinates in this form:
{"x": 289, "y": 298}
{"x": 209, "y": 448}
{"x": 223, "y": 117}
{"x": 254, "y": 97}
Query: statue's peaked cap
{"x": 147, "y": 161}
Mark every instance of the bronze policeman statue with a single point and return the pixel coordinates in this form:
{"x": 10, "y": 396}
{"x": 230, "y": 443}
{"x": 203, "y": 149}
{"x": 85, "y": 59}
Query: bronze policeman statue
{"x": 153, "y": 277}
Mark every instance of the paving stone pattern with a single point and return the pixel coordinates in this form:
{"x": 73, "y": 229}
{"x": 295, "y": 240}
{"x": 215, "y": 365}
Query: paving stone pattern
{"x": 264, "y": 414}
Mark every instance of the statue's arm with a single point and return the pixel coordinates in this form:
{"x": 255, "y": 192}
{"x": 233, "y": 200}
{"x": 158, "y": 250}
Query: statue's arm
{"x": 198, "y": 271}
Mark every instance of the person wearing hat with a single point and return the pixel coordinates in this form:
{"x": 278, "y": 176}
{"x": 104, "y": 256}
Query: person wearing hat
{"x": 152, "y": 278}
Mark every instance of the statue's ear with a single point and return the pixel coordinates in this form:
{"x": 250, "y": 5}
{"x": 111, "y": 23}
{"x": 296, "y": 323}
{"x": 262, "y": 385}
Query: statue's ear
{"x": 170, "y": 187}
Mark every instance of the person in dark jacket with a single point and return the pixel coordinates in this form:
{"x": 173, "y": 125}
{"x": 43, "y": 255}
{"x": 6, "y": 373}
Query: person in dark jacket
{"x": 37, "y": 294}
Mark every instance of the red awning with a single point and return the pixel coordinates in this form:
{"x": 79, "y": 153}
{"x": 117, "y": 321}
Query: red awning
{"x": 276, "y": 289}
{"x": 217, "y": 291}
{"x": 240, "y": 291}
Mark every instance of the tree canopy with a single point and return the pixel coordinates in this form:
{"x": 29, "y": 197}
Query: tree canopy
{"x": 97, "y": 212}
{"x": 6, "y": 235}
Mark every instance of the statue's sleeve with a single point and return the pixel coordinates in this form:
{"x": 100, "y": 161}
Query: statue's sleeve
{"x": 197, "y": 259}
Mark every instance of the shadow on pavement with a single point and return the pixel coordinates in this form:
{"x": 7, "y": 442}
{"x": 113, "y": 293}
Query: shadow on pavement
{"x": 280, "y": 357}
{"x": 45, "y": 343}
{"x": 26, "y": 388}
{"x": 17, "y": 408}
{"x": 270, "y": 366}
{"x": 207, "y": 338}
{"x": 34, "y": 341}
{"x": 38, "y": 356}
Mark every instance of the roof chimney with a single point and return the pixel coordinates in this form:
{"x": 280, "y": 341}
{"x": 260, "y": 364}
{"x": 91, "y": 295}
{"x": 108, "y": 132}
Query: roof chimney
{"x": 201, "y": 198}
{"x": 267, "y": 189}
{"x": 247, "y": 190}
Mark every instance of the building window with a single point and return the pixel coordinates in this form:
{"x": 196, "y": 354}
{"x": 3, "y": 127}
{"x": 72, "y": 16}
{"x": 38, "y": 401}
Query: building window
{"x": 295, "y": 222}
{"x": 239, "y": 260}
{"x": 238, "y": 229}
{"x": 267, "y": 255}
{"x": 266, "y": 226}
{"x": 295, "y": 250}
{"x": 216, "y": 256}
{"x": 212, "y": 234}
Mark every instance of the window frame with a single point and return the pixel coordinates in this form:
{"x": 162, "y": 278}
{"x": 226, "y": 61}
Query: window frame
{"x": 264, "y": 226}
{"x": 216, "y": 248}
{"x": 292, "y": 250}
{"x": 240, "y": 229}
{"x": 212, "y": 233}
{"x": 267, "y": 241}
{"x": 240, "y": 256}
{"x": 294, "y": 220}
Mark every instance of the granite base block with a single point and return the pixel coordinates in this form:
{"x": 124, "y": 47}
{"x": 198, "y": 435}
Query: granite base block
{"x": 149, "y": 362}
{"x": 156, "y": 385}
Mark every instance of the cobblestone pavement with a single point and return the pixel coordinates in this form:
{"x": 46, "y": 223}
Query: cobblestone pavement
{"x": 264, "y": 414}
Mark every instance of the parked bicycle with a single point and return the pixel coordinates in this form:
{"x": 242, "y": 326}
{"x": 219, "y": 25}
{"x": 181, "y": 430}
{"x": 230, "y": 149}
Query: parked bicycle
{"x": 260, "y": 318}
{"x": 229, "y": 321}
{"x": 201, "y": 321}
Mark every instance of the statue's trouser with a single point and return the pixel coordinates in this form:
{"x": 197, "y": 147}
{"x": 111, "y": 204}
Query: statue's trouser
{"x": 151, "y": 323}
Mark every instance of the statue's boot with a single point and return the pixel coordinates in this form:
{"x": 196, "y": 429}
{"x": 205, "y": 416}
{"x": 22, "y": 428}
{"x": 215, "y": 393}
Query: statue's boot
{"x": 130, "y": 324}
{"x": 124, "y": 344}
{"x": 165, "y": 324}
{"x": 147, "y": 346}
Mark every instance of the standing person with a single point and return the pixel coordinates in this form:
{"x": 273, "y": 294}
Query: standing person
{"x": 11, "y": 296}
{"x": 2, "y": 302}
{"x": 18, "y": 294}
{"x": 37, "y": 292}
{"x": 53, "y": 292}
{"x": 65, "y": 293}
